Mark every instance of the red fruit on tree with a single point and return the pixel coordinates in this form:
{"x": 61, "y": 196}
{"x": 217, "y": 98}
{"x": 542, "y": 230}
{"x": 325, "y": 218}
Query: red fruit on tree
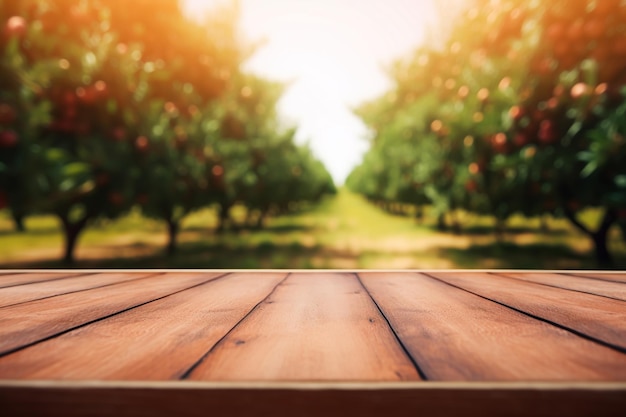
{"x": 69, "y": 98}
{"x": 471, "y": 186}
{"x": 600, "y": 89}
{"x": 116, "y": 198}
{"x": 539, "y": 115}
{"x": 594, "y": 28}
{"x": 15, "y": 27}
{"x": 102, "y": 179}
{"x": 619, "y": 46}
{"x": 7, "y": 114}
{"x": 520, "y": 139}
{"x": 579, "y": 90}
{"x": 86, "y": 95}
{"x": 217, "y": 171}
{"x": 575, "y": 31}
{"x": 142, "y": 199}
{"x": 561, "y": 49}
{"x": 547, "y": 132}
{"x": 121, "y": 48}
{"x": 118, "y": 134}
{"x": 142, "y": 144}
{"x": 79, "y": 16}
{"x": 606, "y": 7}
{"x": 483, "y": 94}
{"x": 555, "y": 32}
{"x": 170, "y": 108}
{"x": 498, "y": 142}
{"x": 516, "y": 112}
{"x": 100, "y": 87}
{"x": 8, "y": 139}
{"x": 552, "y": 103}
{"x": 558, "y": 90}
{"x": 181, "y": 139}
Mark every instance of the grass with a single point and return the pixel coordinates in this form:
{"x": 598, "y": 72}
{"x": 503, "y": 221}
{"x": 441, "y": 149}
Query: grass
{"x": 341, "y": 232}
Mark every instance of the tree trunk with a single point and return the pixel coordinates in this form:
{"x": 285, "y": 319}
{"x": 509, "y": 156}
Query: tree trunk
{"x": 419, "y": 214}
{"x": 222, "y": 217}
{"x": 18, "y": 220}
{"x": 603, "y": 256}
{"x": 441, "y": 222}
{"x": 599, "y": 237}
{"x": 250, "y": 221}
{"x": 172, "y": 230}
{"x": 71, "y": 232}
{"x": 260, "y": 221}
{"x": 456, "y": 225}
{"x": 500, "y": 228}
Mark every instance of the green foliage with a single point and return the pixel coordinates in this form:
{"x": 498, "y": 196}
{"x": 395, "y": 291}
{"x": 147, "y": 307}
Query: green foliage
{"x": 519, "y": 110}
{"x": 104, "y": 106}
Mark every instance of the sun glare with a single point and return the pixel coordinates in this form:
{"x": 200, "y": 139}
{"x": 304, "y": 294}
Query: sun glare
{"x": 334, "y": 55}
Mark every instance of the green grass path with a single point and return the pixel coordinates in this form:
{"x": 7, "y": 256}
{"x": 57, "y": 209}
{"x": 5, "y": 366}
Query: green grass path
{"x": 344, "y": 231}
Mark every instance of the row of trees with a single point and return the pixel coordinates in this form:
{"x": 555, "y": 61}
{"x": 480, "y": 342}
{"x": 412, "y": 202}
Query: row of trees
{"x": 521, "y": 109}
{"x": 106, "y": 105}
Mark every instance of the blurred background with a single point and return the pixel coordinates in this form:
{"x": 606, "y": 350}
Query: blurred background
{"x": 297, "y": 134}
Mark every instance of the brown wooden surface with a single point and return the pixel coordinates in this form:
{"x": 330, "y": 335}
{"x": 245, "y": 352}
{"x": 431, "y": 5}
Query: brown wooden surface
{"x": 597, "y": 317}
{"x": 45, "y": 289}
{"x": 12, "y": 279}
{"x": 308, "y": 400}
{"x": 312, "y": 327}
{"x": 156, "y": 341}
{"x": 617, "y": 277}
{"x": 601, "y": 287}
{"x": 28, "y": 323}
{"x": 538, "y": 329}
{"x": 455, "y": 335}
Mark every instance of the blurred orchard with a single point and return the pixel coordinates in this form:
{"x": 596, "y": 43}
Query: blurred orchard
{"x": 107, "y": 105}
{"x": 521, "y": 108}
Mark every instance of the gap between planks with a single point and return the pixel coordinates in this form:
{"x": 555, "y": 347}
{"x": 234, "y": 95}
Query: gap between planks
{"x": 456, "y": 335}
{"x": 320, "y": 326}
{"x": 593, "y": 317}
{"x": 604, "y": 288}
{"x": 27, "y": 324}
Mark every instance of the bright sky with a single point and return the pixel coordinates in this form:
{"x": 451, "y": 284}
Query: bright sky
{"x": 334, "y": 53}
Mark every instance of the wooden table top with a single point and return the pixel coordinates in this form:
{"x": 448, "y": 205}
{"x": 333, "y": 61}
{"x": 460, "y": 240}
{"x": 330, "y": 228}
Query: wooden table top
{"x": 415, "y": 330}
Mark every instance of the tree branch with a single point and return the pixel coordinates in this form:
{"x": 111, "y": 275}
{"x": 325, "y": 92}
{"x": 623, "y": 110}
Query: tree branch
{"x": 572, "y": 218}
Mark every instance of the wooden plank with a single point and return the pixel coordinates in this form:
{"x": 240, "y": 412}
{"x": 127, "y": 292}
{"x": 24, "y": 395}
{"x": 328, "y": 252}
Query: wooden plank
{"x": 616, "y": 277}
{"x": 454, "y": 335}
{"x": 615, "y": 290}
{"x": 31, "y": 322}
{"x": 319, "y": 326}
{"x": 157, "y": 341}
{"x": 36, "y": 291}
{"x": 29, "y": 278}
{"x": 97, "y": 399}
{"x": 597, "y": 317}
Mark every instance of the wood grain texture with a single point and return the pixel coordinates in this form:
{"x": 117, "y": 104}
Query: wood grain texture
{"x": 32, "y": 277}
{"x": 23, "y": 324}
{"x": 302, "y": 400}
{"x": 454, "y": 335}
{"x": 597, "y": 317}
{"x": 35, "y": 291}
{"x": 616, "y": 277}
{"x": 157, "y": 341}
{"x": 313, "y": 327}
{"x": 615, "y": 290}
